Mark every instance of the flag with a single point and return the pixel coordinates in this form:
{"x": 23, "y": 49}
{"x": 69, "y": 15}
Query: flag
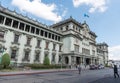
{"x": 86, "y": 15}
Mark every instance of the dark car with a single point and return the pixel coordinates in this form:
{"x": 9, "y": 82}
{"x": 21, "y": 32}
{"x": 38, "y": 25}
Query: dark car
{"x": 93, "y": 67}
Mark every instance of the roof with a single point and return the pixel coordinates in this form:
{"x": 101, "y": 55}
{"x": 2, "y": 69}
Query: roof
{"x": 102, "y": 44}
{"x": 92, "y": 33}
{"x": 25, "y": 18}
{"x": 66, "y": 21}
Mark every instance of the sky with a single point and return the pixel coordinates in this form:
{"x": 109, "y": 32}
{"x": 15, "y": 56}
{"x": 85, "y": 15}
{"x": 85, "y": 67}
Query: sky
{"x": 104, "y": 16}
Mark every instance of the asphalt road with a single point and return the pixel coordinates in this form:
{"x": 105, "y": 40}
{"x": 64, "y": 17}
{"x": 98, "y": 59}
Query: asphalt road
{"x": 86, "y": 76}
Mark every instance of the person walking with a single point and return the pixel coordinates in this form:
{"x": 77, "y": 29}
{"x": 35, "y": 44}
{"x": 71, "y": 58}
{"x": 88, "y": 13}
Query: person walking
{"x": 115, "y": 71}
{"x": 79, "y": 69}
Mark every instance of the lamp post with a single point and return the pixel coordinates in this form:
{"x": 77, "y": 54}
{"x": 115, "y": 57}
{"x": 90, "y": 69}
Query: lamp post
{"x": 61, "y": 61}
{"x": 1, "y": 52}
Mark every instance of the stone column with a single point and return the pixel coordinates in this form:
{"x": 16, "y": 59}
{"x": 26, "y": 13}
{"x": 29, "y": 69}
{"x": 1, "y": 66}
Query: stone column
{"x": 92, "y": 61}
{"x": 18, "y": 25}
{"x": 12, "y": 23}
{"x": 81, "y": 61}
{"x": 30, "y": 29}
{"x": 4, "y": 21}
{"x": 24, "y": 26}
{"x": 69, "y": 57}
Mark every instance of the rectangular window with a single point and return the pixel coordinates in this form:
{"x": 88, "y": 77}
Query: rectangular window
{"x": 16, "y": 38}
{"x": 93, "y": 52}
{"x": 52, "y": 36}
{"x": 61, "y": 28}
{"x": 76, "y": 47}
{"x": 26, "y": 58}
{"x": 28, "y": 41}
{"x": 42, "y": 32}
{"x": 49, "y": 35}
{"x": 27, "y": 28}
{"x": 15, "y": 24}
{"x": 32, "y": 29}
{"x": 21, "y": 27}
{"x": 45, "y": 34}
{"x": 13, "y": 54}
{"x": 54, "y": 46}
{"x": 86, "y": 51}
{"x": 37, "y": 31}
{"x": 60, "y": 59}
{"x": 47, "y": 43}
{"x": 37, "y": 57}
{"x": 58, "y": 38}
{"x": 60, "y": 48}
{"x": 1, "y": 34}
{"x": 1, "y": 19}
{"x": 38, "y": 43}
{"x": 8, "y": 21}
{"x": 53, "y": 58}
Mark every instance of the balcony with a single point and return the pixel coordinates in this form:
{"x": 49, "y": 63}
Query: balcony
{"x": 25, "y": 60}
{"x": 13, "y": 59}
{"x": 54, "y": 50}
{"x": 37, "y": 49}
{"x": 27, "y": 47}
{"x": 15, "y": 45}
{"x": 46, "y": 50}
{"x": 36, "y": 60}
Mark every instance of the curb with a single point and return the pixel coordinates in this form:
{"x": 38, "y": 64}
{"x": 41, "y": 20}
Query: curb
{"x": 31, "y": 73}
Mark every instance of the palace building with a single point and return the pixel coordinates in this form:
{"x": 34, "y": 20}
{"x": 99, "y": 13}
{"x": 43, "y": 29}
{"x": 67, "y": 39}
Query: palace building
{"x": 67, "y": 42}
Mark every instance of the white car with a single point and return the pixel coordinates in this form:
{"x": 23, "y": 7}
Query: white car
{"x": 101, "y": 67}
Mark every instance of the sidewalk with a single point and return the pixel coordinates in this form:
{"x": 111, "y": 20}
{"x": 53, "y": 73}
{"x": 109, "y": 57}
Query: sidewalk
{"x": 28, "y": 72}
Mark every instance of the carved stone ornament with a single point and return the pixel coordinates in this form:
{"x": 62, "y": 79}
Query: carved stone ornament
{"x": 14, "y": 48}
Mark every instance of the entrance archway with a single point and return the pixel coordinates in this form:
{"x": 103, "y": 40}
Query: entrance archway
{"x": 95, "y": 61}
{"x": 87, "y": 61}
{"x": 66, "y": 60}
{"x": 77, "y": 60}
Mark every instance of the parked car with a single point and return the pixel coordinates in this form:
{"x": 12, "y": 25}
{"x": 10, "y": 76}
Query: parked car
{"x": 93, "y": 67}
{"x": 100, "y": 66}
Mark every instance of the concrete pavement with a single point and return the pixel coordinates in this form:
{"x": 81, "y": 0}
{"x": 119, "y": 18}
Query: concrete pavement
{"x": 107, "y": 80}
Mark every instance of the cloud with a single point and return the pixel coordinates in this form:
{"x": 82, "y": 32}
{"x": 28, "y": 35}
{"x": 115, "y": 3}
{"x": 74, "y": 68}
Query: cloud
{"x": 95, "y": 5}
{"x": 114, "y": 52}
{"x": 39, "y": 9}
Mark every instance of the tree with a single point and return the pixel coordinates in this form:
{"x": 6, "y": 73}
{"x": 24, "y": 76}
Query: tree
{"x": 46, "y": 61}
{"x": 5, "y": 60}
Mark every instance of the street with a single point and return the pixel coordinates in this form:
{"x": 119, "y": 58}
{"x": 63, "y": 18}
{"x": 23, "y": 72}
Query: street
{"x": 86, "y": 76}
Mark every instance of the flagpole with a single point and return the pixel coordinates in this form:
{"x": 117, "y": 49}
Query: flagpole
{"x": 86, "y": 16}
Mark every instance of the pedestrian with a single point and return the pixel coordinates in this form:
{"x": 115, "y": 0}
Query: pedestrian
{"x": 79, "y": 69}
{"x": 115, "y": 71}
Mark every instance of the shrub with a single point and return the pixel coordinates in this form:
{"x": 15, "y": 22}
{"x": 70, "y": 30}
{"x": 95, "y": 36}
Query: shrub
{"x": 1, "y": 66}
{"x": 5, "y": 60}
{"x": 46, "y": 61}
{"x": 42, "y": 66}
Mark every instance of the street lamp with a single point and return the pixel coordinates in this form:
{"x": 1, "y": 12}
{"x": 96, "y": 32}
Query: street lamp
{"x": 61, "y": 61}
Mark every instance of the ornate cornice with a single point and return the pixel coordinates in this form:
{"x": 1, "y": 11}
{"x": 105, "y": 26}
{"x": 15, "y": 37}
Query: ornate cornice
{"x": 27, "y": 49}
{"x": 14, "y": 47}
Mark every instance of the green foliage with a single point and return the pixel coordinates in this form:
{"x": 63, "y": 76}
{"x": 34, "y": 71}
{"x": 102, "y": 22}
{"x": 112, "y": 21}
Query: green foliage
{"x": 41, "y": 66}
{"x": 5, "y": 60}
{"x": 46, "y": 61}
